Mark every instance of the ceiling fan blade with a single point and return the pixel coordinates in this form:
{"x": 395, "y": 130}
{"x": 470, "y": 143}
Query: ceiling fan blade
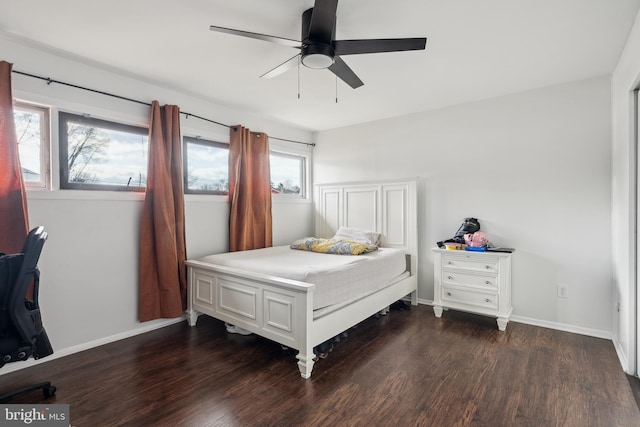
{"x": 285, "y": 66}
{"x": 323, "y": 19}
{"x": 258, "y": 36}
{"x": 346, "y": 74}
{"x": 354, "y": 47}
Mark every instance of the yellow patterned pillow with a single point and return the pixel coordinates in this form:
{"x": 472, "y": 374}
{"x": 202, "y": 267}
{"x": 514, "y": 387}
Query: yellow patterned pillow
{"x": 330, "y": 246}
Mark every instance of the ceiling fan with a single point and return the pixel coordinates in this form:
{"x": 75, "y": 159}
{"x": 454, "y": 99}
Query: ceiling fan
{"x": 319, "y": 49}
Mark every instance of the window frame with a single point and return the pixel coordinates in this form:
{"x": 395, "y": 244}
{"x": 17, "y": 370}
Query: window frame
{"x": 63, "y": 120}
{"x": 185, "y": 163}
{"x": 45, "y": 143}
{"x": 277, "y": 149}
{"x": 303, "y": 173}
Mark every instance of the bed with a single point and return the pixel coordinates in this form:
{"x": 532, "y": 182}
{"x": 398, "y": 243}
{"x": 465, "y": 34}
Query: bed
{"x": 269, "y": 295}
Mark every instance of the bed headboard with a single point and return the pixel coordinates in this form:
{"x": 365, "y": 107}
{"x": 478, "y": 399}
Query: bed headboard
{"x": 388, "y": 207}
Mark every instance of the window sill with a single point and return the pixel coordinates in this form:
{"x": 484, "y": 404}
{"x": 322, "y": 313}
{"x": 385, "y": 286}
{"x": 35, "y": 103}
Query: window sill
{"x": 289, "y": 200}
{"x": 209, "y": 198}
{"x": 37, "y": 194}
{"x": 85, "y": 195}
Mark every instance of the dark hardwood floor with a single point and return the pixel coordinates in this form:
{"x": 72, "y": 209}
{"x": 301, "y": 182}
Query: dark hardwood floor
{"x": 404, "y": 369}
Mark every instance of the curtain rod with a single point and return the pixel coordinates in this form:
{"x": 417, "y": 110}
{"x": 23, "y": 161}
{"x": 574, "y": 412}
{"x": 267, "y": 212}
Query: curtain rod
{"x": 187, "y": 115}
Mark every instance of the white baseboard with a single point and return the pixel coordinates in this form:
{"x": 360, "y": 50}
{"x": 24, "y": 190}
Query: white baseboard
{"x": 12, "y": 367}
{"x": 551, "y": 325}
{"x": 563, "y": 327}
{"x": 623, "y": 357}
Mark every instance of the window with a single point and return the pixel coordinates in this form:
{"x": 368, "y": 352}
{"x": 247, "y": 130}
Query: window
{"x": 206, "y": 166}
{"x": 206, "y": 169}
{"x": 287, "y": 174}
{"x": 32, "y": 131}
{"x": 102, "y": 155}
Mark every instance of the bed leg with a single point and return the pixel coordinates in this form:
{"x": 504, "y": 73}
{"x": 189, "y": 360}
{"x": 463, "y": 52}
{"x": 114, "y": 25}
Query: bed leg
{"x": 305, "y": 364}
{"x": 414, "y": 298}
{"x": 192, "y": 317}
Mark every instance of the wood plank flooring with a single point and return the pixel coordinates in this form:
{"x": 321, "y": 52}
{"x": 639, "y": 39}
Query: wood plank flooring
{"x": 404, "y": 369}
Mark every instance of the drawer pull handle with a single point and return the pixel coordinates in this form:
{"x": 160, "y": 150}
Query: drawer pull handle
{"x": 487, "y": 282}
{"x": 450, "y": 263}
{"x": 487, "y": 300}
{"x": 450, "y": 277}
{"x": 488, "y": 267}
{"x": 448, "y": 294}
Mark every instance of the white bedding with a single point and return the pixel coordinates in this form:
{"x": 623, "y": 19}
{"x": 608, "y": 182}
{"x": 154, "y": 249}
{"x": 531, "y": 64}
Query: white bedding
{"x": 337, "y": 277}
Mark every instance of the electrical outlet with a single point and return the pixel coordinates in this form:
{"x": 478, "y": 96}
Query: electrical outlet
{"x": 563, "y": 290}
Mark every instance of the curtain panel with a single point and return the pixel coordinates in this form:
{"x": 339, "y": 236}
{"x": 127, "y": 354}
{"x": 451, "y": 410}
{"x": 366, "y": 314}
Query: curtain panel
{"x": 163, "y": 278}
{"x": 14, "y": 221}
{"x": 250, "y": 218}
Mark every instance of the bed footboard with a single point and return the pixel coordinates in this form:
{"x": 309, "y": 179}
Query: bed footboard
{"x": 275, "y": 308}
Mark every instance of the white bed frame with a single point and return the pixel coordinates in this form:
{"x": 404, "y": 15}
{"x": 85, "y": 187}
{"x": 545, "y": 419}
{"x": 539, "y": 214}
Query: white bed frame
{"x": 281, "y": 309}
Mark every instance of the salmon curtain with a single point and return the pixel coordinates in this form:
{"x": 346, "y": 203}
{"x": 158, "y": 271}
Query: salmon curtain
{"x": 163, "y": 278}
{"x": 249, "y": 190}
{"x": 14, "y": 222}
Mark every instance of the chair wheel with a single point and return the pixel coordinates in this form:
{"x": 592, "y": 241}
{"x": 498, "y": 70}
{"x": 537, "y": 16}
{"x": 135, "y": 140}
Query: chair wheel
{"x": 49, "y": 391}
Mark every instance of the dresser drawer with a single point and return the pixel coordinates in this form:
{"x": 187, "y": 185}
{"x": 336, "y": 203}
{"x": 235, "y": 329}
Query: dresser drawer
{"x": 459, "y": 278}
{"x": 477, "y": 299}
{"x": 469, "y": 262}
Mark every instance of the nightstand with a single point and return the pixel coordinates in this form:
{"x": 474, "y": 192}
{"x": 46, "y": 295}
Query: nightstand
{"x": 477, "y": 282}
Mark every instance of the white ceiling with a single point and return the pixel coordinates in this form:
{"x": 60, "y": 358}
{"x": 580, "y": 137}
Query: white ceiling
{"x": 475, "y": 49}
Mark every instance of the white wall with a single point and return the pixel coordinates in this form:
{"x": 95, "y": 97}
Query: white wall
{"x": 626, "y": 78}
{"x": 89, "y": 263}
{"x": 534, "y": 168}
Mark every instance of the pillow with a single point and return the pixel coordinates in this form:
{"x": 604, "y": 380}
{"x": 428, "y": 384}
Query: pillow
{"x": 331, "y": 246}
{"x": 358, "y": 235}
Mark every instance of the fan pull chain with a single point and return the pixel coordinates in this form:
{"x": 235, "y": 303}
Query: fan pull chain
{"x": 299, "y": 57}
{"x": 336, "y": 89}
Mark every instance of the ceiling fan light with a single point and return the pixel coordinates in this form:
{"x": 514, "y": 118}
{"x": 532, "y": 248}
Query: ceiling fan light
{"x": 317, "y": 56}
{"x": 317, "y": 61}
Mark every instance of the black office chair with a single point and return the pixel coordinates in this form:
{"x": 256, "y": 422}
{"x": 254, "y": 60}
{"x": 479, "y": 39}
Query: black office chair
{"x": 21, "y": 332}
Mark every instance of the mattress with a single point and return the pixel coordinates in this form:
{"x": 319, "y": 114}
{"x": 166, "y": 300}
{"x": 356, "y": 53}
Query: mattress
{"x": 337, "y": 277}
